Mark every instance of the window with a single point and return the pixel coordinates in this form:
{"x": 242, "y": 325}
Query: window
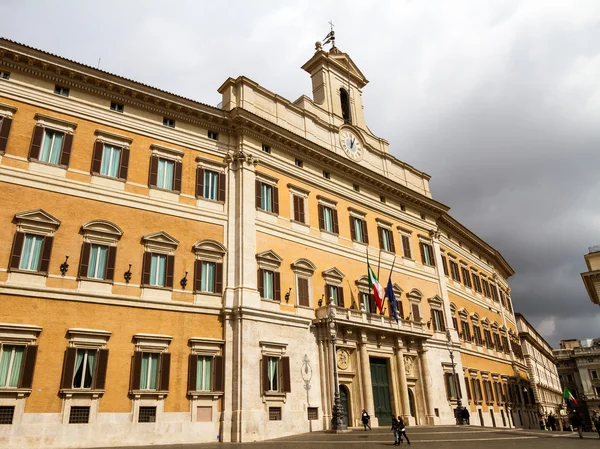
{"x": 6, "y": 114}
{"x": 358, "y": 230}
{"x": 466, "y": 277}
{"x": 488, "y": 338}
{"x": 597, "y": 390}
{"x": 313, "y": 413}
{"x": 336, "y": 294}
{"x": 275, "y": 373}
{"x": 267, "y": 197}
{"x": 159, "y": 260}
{"x": 117, "y": 107}
{"x": 469, "y": 397}
{"x": 79, "y": 415}
{"x": 97, "y": 262}
{"x": 51, "y": 147}
{"x": 7, "y": 413}
{"x": 4, "y": 75}
{"x": 213, "y": 135}
{"x": 269, "y": 284}
{"x": 274, "y": 413}
{"x": 486, "y": 288}
{"x": 406, "y": 251}
{"x": 158, "y": 265}
{"x": 111, "y": 155}
{"x": 204, "y": 373}
{"x": 84, "y": 368}
{"x": 326, "y": 175}
{"x": 62, "y": 91}
{"x": 466, "y": 331}
{"x": 31, "y": 252}
{"x": 382, "y": 199}
{"x": 476, "y": 282}
{"x": 477, "y": 334}
{"x": 386, "y": 239}
{"x": 497, "y": 342}
{"x": 454, "y": 270}
{"x": 298, "y": 203}
{"x": 32, "y": 245}
{"x": 505, "y": 345}
{"x": 303, "y": 270}
{"x": 208, "y": 267}
{"x": 151, "y": 371}
{"x": 11, "y": 364}
{"x": 594, "y": 374}
{"x": 403, "y": 208}
{"x": 210, "y": 184}
{"x": 147, "y": 414}
{"x": 168, "y": 122}
{"x": 207, "y": 283}
{"x": 368, "y": 302}
{"x": 266, "y": 149}
{"x": 437, "y": 317}
{"x": 328, "y": 219}
{"x": 494, "y": 290}
{"x": 427, "y": 254}
{"x": 445, "y": 265}
{"x": 489, "y": 392}
{"x": 345, "y": 103}
{"x": 303, "y": 292}
{"x": 477, "y": 393}
{"x": 165, "y": 173}
{"x": 299, "y": 163}
{"x": 356, "y": 187}
{"x": 416, "y": 313}
{"x": 205, "y": 366}
{"x": 452, "y": 386}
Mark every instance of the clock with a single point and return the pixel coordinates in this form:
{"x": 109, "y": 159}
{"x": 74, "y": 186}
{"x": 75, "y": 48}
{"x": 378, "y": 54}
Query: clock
{"x": 351, "y": 145}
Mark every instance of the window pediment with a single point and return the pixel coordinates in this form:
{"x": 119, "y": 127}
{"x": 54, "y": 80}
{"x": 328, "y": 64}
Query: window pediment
{"x": 7, "y": 110}
{"x": 269, "y": 260}
{"x": 166, "y": 152}
{"x": 414, "y": 295}
{"x": 436, "y": 301}
{"x": 475, "y": 318}
{"x": 464, "y": 314}
{"x": 160, "y": 242}
{"x": 452, "y": 308}
{"x": 303, "y": 266}
{"x": 326, "y": 201}
{"x": 494, "y": 326}
{"x": 209, "y": 249}
{"x": 19, "y": 333}
{"x": 363, "y": 284}
{"x": 152, "y": 342}
{"x": 101, "y": 232}
{"x": 55, "y": 123}
{"x": 273, "y": 348}
{"x": 37, "y": 221}
{"x": 397, "y": 290}
{"x": 333, "y": 276}
{"x": 210, "y": 346}
{"x": 90, "y": 338}
{"x": 113, "y": 139}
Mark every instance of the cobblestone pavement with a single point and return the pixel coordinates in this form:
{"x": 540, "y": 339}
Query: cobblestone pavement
{"x": 429, "y": 437}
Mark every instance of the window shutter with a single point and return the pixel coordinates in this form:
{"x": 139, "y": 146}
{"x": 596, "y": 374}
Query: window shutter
{"x": 468, "y": 389}
{"x": 178, "y": 174}
{"x": 218, "y": 367}
{"x": 285, "y": 374}
{"x": 5, "y": 125}
{"x": 258, "y": 193}
{"x": 200, "y": 182}
{"x": 192, "y": 372}
{"x": 136, "y": 374}
{"x": 442, "y": 321}
{"x": 84, "y": 260}
{"x": 153, "y": 174}
{"x": 415, "y": 312}
{"x": 276, "y": 200}
{"x": 380, "y": 236}
{"x": 68, "y": 369}
{"x": 406, "y": 246}
{"x": 400, "y": 309}
{"x": 392, "y": 246}
{"x": 124, "y": 165}
{"x": 334, "y": 215}
{"x": 36, "y": 143}
{"x": 301, "y": 217}
{"x": 102, "y": 365}
{"x": 97, "y": 157}
{"x": 261, "y": 285}
{"x": 222, "y": 186}
{"x": 15, "y": 256}
{"x": 340, "y": 291}
{"x": 277, "y": 286}
{"x": 422, "y": 248}
{"x": 352, "y": 230}
{"x": 218, "y": 278}
{"x": 265, "y": 374}
{"x": 296, "y": 215}
{"x": 28, "y": 366}
{"x": 448, "y": 388}
{"x": 110, "y": 263}
{"x": 431, "y": 255}
{"x": 165, "y": 370}
{"x": 197, "y": 275}
{"x": 65, "y": 154}
{"x": 445, "y": 265}
{"x": 170, "y": 271}
{"x": 146, "y": 265}
{"x": 303, "y": 292}
{"x": 321, "y": 218}
{"x": 372, "y": 303}
{"x": 365, "y": 232}
{"x": 46, "y": 252}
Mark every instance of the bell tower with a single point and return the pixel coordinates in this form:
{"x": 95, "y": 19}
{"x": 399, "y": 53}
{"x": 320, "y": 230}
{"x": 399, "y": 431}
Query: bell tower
{"x": 337, "y": 85}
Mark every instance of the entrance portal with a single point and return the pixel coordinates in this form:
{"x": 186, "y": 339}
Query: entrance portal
{"x": 344, "y": 399}
{"x": 381, "y": 391}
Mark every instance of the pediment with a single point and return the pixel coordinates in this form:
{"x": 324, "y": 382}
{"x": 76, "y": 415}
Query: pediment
{"x": 345, "y": 62}
{"x": 475, "y": 316}
{"x": 415, "y": 294}
{"x": 339, "y": 62}
{"x": 494, "y": 325}
{"x": 102, "y": 227}
{"x": 303, "y": 265}
{"x": 333, "y": 274}
{"x": 397, "y": 290}
{"x": 463, "y": 313}
{"x": 452, "y": 308}
{"x": 269, "y": 256}
{"x": 210, "y": 246}
{"x": 37, "y": 216}
{"x": 160, "y": 237}
{"x": 362, "y": 281}
{"x": 436, "y": 301}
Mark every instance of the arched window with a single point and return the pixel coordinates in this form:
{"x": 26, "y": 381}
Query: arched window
{"x": 345, "y": 100}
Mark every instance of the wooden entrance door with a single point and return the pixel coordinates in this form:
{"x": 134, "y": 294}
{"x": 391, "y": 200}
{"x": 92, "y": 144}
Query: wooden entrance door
{"x": 381, "y": 391}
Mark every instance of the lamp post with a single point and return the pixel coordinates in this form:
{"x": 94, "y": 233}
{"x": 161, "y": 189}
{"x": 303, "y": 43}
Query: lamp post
{"x": 459, "y": 408}
{"x": 337, "y": 415}
{"x": 306, "y": 373}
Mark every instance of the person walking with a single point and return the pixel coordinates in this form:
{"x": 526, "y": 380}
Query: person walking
{"x": 576, "y": 421}
{"x": 402, "y": 430}
{"x": 596, "y": 421}
{"x": 466, "y": 416}
{"x": 551, "y": 421}
{"x": 365, "y": 419}
{"x": 396, "y": 431}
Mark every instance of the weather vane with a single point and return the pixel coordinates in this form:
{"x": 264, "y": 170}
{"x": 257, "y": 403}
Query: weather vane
{"x": 329, "y": 39}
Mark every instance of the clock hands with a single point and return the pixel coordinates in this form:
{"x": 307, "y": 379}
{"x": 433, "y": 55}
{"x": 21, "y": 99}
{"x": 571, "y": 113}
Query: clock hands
{"x": 352, "y": 143}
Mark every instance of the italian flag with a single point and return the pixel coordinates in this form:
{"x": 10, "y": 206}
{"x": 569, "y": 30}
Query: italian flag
{"x": 568, "y": 396}
{"x": 376, "y": 286}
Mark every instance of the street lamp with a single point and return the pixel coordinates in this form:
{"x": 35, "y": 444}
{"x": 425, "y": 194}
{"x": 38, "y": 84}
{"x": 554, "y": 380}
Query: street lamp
{"x": 306, "y": 373}
{"x": 458, "y": 409}
{"x": 337, "y": 415}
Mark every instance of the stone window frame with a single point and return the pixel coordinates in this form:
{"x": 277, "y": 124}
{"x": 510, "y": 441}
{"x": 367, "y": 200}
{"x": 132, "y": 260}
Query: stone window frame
{"x": 301, "y": 193}
{"x": 404, "y": 232}
{"x": 303, "y": 269}
{"x": 323, "y": 202}
{"x": 426, "y": 241}
{"x": 171, "y": 154}
{"x": 52, "y": 123}
{"x": 81, "y": 338}
{"x": 206, "y": 347}
{"x": 389, "y": 227}
{"x": 99, "y": 232}
{"x": 269, "y": 260}
{"x": 204, "y": 164}
{"x": 448, "y": 375}
{"x": 117, "y": 140}
{"x": 270, "y": 349}
{"x": 414, "y": 298}
{"x": 477, "y": 398}
{"x": 263, "y": 178}
{"x": 475, "y": 321}
{"x": 160, "y": 242}
{"x": 362, "y": 285}
{"x": 437, "y": 303}
{"x": 334, "y": 277}
{"x": 208, "y": 250}
{"x": 7, "y": 112}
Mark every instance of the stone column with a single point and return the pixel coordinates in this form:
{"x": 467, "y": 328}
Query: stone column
{"x": 367, "y": 385}
{"x": 325, "y": 398}
{"x": 427, "y": 385}
{"x": 404, "y": 401}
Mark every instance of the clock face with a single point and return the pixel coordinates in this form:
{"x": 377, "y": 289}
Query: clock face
{"x": 351, "y": 145}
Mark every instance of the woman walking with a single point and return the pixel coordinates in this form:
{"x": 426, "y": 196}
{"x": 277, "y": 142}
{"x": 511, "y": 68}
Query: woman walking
{"x": 402, "y": 430}
{"x": 365, "y": 419}
{"x": 396, "y": 431}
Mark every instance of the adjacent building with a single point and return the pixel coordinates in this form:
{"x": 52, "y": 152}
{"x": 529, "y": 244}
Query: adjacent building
{"x": 166, "y": 266}
{"x": 541, "y": 366}
{"x": 591, "y": 278}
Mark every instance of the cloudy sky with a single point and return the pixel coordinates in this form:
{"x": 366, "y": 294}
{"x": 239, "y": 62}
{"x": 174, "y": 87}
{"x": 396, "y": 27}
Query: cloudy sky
{"x": 499, "y": 101}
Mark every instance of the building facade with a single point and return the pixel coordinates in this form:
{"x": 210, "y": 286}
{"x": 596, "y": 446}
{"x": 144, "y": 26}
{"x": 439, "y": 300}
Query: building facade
{"x": 541, "y": 366}
{"x": 578, "y": 363}
{"x": 591, "y": 278}
{"x": 166, "y": 267}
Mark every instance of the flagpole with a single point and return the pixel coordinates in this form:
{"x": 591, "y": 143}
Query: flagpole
{"x": 379, "y": 264}
{"x": 393, "y": 263}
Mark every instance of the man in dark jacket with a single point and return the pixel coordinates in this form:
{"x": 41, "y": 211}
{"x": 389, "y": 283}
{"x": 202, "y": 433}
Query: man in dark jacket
{"x": 396, "y": 431}
{"x": 576, "y": 421}
{"x": 365, "y": 419}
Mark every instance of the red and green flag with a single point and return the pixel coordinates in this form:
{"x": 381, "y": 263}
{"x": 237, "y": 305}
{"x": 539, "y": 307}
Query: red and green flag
{"x": 569, "y": 397}
{"x": 375, "y": 286}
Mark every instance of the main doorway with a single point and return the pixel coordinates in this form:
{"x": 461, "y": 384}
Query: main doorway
{"x": 344, "y": 399}
{"x": 381, "y": 391}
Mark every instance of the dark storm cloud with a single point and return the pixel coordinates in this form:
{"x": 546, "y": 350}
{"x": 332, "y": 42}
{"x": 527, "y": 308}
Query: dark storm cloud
{"x": 498, "y": 101}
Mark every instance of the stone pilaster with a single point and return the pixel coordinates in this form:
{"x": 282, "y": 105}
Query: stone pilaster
{"x": 404, "y": 401}
{"x": 427, "y": 386}
{"x": 367, "y": 385}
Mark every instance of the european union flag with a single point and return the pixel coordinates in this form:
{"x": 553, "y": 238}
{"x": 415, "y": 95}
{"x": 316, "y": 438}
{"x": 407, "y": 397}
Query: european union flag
{"x": 389, "y": 292}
